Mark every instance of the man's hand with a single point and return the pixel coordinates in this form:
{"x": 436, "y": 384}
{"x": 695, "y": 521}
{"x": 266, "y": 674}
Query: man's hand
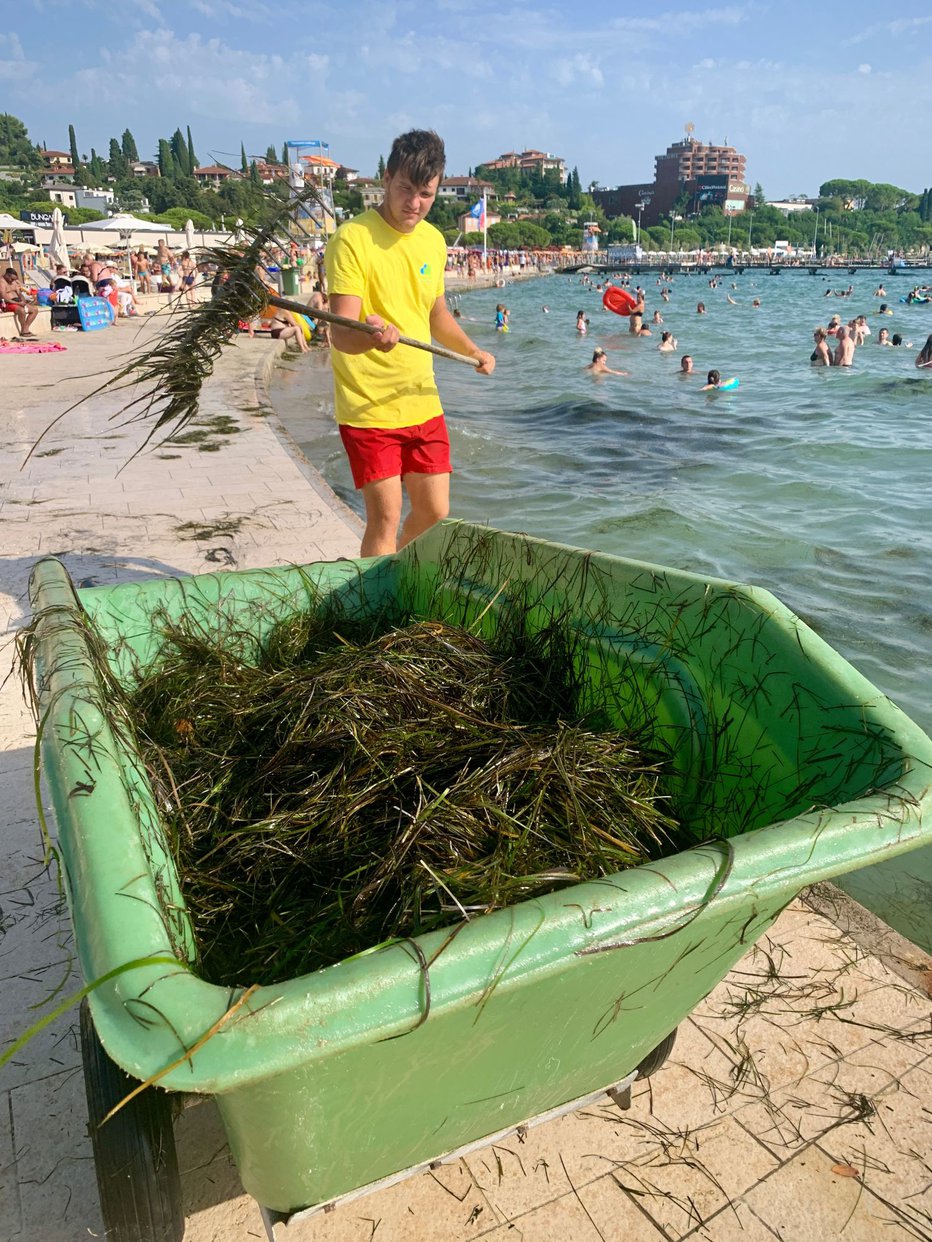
{"x": 487, "y": 363}
{"x": 387, "y": 336}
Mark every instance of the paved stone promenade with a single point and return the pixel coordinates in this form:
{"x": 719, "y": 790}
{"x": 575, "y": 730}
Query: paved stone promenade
{"x": 796, "y": 1104}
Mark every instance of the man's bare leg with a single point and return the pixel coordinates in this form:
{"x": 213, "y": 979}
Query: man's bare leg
{"x": 429, "y": 495}
{"x": 383, "y": 513}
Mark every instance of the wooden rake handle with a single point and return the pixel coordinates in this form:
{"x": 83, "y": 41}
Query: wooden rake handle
{"x": 298, "y": 308}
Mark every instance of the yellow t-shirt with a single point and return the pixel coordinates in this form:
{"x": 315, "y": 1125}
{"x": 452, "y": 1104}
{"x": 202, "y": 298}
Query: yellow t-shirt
{"x": 398, "y": 276}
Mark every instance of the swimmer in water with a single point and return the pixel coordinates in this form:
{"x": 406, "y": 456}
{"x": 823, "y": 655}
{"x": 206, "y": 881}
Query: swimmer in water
{"x": 686, "y": 365}
{"x": 582, "y": 323}
{"x": 715, "y": 381}
{"x": 545, "y": 310}
{"x": 821, "y": 356}
{"x": 756, "y": 303}
{"x": 599, "y": 365}
{"x": 844, "y": 350}
{"x": 667, "y": 343}
{"x": 924, "y": 357}
{"x": 700, "y": 309}
{"x": 657, "y": 318}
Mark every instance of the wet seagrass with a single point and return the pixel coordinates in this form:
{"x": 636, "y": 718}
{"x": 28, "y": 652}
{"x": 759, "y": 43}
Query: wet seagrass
{"x": 350, "y": 782}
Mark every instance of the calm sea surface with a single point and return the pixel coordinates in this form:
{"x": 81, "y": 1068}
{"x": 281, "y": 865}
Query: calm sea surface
{"x": 813, "y": 483}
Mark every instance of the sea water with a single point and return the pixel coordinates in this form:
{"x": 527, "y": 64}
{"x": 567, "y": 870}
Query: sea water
{"x": 811, "y": 482}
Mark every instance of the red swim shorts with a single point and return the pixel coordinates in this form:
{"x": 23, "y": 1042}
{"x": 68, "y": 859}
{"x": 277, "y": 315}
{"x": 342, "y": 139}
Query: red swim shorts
{"x": 388, "y": 452}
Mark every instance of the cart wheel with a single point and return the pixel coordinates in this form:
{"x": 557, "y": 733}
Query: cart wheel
{"x": 653, "y": 1061}
{"x": 134, "y": 1153}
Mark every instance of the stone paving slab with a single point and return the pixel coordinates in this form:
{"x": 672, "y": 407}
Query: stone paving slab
{"x": 795, "y": 1103}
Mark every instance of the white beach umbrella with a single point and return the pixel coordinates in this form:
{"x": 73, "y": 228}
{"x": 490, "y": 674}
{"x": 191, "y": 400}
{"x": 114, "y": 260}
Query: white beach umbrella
{"x": 57, "y": 248}
{"x": 189, "y": 242}
{"x": 10, "y": 222}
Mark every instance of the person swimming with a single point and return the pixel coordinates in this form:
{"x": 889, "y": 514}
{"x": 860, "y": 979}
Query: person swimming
{"x": 582, "y": 323}
{"x": 599, "y": 364}
{"x": 667, "y": 343}
{"x": 715, "y": 381}
{"x": 686, "y": 365}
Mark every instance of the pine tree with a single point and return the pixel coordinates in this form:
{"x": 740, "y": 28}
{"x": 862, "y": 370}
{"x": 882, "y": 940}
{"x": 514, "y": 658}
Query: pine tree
{"x": 381, "y": 173}
{"x": 128, "y": 147}
{"x": 244, "y": 163}
{"x": 192, "y": 158}
{"x": 73, "y": 142}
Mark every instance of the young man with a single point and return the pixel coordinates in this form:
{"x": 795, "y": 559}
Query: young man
{"x": 386, "y": 267}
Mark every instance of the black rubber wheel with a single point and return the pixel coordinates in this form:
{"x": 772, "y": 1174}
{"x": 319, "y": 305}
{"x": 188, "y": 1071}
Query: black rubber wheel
{"x": 134, "y": 1153}
{"x": 653, "y": 1061}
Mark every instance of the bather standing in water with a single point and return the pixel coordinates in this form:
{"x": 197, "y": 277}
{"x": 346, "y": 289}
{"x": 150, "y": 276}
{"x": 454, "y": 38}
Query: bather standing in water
{"x": 821, "y": 356}
{"x": 844, "y": 350}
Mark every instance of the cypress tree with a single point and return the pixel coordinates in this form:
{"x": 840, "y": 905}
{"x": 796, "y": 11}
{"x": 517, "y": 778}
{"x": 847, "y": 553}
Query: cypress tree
{"x": 254, "y": 174}
{"x": 73, "y": 142}
{"x": 116, "y": 161}
{"x": 128, "y": 146}
{"x": 284, "y": 152}
{"x": 381, "y": 173}
{"x": 243, "y": 162}
{"x": 166, "y": 160}
{"x": 192, "y": 158}
{"x": 271, "y": 156}
{"x": 179, "y": 149}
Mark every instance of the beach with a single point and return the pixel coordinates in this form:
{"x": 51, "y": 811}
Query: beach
{"x": 792, "y": 1106}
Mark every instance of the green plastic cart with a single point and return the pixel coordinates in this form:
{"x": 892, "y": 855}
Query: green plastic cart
{"x": 787, "y": 766}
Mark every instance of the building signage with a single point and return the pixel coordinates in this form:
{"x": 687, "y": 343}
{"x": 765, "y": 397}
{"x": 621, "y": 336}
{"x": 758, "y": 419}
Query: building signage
{"x": 37, "y": 217}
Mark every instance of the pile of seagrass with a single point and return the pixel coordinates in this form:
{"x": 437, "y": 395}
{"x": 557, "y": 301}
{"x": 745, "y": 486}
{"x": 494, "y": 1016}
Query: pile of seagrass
{"x": 350, "y": 784}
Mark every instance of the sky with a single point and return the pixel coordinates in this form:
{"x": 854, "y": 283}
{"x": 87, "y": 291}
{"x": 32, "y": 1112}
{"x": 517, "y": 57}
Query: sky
{"x": 806, "y": 94}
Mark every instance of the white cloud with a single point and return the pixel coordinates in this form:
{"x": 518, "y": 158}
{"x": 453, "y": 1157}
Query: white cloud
{"x": 865, "y": 69}
{"x": 580, "y": 68}
{"x": 14, "y": 67}
{"x": 901, "y": 26}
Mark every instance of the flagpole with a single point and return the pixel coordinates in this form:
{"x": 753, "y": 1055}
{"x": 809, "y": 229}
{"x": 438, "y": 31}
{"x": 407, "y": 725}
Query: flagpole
{"x": 485, "y": 230}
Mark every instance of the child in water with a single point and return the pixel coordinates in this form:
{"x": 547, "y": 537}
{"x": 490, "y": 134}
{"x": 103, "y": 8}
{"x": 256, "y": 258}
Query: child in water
{"x": 582, "y": 323}
{"x": 501, "y": 318}
{"x": 715, "y": 380}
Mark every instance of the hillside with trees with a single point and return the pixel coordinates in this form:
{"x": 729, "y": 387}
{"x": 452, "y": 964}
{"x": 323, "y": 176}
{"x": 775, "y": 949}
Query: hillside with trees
{"x": 855, "y": 218}
{"x": 174, "y": 195}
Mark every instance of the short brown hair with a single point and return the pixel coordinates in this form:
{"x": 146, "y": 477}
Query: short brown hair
{"x": 419, "y": 154}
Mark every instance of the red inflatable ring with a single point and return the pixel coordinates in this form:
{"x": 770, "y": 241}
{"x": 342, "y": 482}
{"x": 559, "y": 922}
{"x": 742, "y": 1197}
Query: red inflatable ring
{"x": 619, "y": 300}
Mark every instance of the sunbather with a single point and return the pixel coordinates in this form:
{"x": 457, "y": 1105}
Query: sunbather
{"x": 13, "y": 298}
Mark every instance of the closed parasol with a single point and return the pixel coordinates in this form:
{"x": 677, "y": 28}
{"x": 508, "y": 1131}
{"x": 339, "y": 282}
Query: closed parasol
{"x": 58, "y": 247}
